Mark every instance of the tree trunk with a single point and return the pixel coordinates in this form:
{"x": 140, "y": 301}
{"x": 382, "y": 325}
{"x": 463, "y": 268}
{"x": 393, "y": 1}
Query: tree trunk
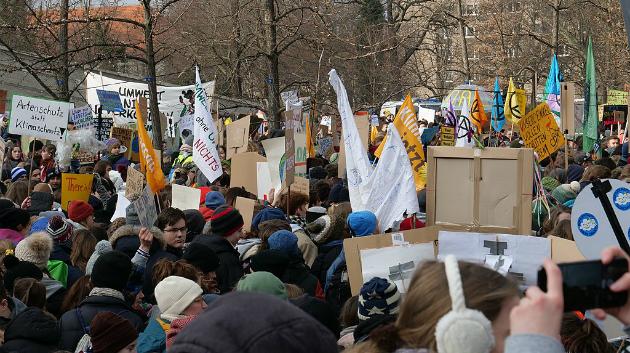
{"x": 462, "y": 30}
{"x": 151, "y": 77}
{"x": 63, "y": 74}
{"x": 556, "y": 25}
{"x": 272, "y": 63}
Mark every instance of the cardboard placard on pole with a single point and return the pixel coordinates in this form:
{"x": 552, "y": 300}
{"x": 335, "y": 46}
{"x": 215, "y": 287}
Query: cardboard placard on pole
{"x": 134, "y": 184}
{"x": 39, "y": 118}
{"x": 289, "y": 148}
{"x": 237, "y": 136}
{"x": 567, "y": 107}
{"x": 244, "y": 171}
{"x": 125, "y": 136}
{"x": 145, "y": 207}
{"x": 448, "y": 135}
{"x": 75, "y": 187}
{"x": 540, "y": 131}
{"x": 246, "y": 208}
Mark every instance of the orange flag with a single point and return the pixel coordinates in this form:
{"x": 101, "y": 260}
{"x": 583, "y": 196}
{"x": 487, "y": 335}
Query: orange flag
{"x": 478, "y": 114}
{"x": 310, "y": 149}
{"x": 148, "y": 158}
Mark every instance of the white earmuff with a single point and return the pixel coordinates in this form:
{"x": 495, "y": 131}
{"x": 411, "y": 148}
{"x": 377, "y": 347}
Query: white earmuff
{"x": 462, "y": 329}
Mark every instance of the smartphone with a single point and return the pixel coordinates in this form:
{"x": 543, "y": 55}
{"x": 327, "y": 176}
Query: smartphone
{"x": 586, "y": 284}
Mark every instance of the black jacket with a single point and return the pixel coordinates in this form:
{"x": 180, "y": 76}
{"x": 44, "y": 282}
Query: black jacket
{"x": 148, "y": 286}
{"x": 32, "y": 331}
{"x": 230, "y": 269}
{"x": 320, "y": 311}
{"x": 72, "y": 329}
{"x": 298, "y": 273}
{"x": 326, "y": 255}
{"x": 62, "y": 252}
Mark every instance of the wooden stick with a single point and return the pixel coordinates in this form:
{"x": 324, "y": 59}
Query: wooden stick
{"x": 30, "y": 172}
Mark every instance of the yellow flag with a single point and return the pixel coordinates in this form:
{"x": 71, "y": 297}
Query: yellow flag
{"x": 477, "y": 113}
{"x": 515, "y": 103}
{"x": 373, "y": 134}
{"x": 310, "y": 149}
{"x": 407, "y": 126}
{"x": 148, "y": 159}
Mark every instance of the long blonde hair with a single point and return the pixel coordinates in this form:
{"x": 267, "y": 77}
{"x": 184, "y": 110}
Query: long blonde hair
{"x": 428, "y": 300}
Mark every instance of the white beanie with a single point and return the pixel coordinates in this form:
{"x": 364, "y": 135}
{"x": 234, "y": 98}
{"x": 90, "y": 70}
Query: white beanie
{"x": 101, "y": 248}
{"x": 36, "y": 249}
{"x": 174, "y": 294}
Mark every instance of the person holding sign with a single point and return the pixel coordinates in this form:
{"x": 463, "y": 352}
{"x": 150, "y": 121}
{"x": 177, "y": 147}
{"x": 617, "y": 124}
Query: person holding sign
{"x": 115, "y": 154}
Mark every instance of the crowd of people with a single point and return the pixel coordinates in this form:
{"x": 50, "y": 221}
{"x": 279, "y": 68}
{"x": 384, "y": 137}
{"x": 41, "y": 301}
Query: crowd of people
{"x": 76, "y": 280}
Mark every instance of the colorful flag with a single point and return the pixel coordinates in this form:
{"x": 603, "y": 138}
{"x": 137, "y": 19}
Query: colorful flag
{"x": 478, "y": 114}
{"x": 148, "y": 158}
{"x": 552, "y": 89}
{"x": 373, "y": 134}
{"x": 498, "y": 118}
{"x": 464, "y": 129}
{"x": 515, "y": 103}
{"x": 591, "y": 120}
{"x": 205, "y": 153}
{"x": 310, "y": 148}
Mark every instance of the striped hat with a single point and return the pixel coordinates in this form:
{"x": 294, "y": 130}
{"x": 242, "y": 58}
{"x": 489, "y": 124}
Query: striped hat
{"x": 17, "y": 173}
{"x": 378, "y": 297}
{"x": 59, "y": 230}
{"x": 225, "y": 221}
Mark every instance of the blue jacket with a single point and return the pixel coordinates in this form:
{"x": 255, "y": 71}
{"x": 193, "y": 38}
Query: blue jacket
{"x": 153, "y": 339}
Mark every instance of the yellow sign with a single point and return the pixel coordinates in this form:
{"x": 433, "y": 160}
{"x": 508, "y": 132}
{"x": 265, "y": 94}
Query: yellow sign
{"x": 540, "y": 131}
{"x": 75, "y": 187}
{"x": 448, "y": 135}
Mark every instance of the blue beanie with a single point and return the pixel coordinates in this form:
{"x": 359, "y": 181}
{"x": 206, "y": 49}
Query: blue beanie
{"x": 214, "y": 199}
{"x": 39, "y": 225}
{"x": 284, "y": 241}
{"x": 267, "y": 214}
{"x": 378, "y": 296}
{"x": 362, "y": 223}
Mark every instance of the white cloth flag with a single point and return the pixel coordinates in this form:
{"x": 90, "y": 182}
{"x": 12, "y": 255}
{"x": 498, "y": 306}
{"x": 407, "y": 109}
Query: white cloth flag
{"x": 205, "y": 154}
{"x": 463, "y": 141}
{"x": 389, "y": 189}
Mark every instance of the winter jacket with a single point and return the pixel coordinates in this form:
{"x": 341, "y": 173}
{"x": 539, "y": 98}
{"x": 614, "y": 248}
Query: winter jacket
{"x": 71, "y": 325}
{"x": 247, "y": 248}
{"x": 9, "y": 234}
{"x": 153, "y": 339}
{"x": 327, "y": 253}
{"x": 55, "y": 293}
{"x": 62, "y": 252}
{"x": 116, "y": 161}
{"x": 320, "y": 311}
{"x": 305, "y": 244}
{"x": 297, "y": 273}
{"x": 126, "y": 239}
{"x": 169, "y": 253}
{"x": 230, "y": 270}
{"x": 206, "y": 212}
{"x": 32, "y": 331}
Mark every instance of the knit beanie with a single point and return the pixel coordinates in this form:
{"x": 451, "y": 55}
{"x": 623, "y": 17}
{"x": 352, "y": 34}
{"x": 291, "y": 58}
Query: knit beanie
{"x": 36, "y": 249}
{"x": 267, "y": 214}
{"x": 17, "y": 173}
{"x": 320, "y": 229}
{"x": 19, "y": 269}
{"x": 214, "y": 199}
{"x": 378, "y": 297}
{"x": 101, "y": 248}
{"x": 79, "y": 210}
{"x": 174, "y": 294}
{"x": 40, "y": 202}
{"x": 274, "y": 261}
{"x": 110, "y": 333}
{"x": 12, "y": 217}
{"x": 226, "y": 221}
{"x": 339, "y": 194}
{"x": 202, "y": 257}
{"x": 111, "y": 270}
{"x": 264, "y": 283}
{"x": 362, "y": 223}
{"x": 566, "y": 192}
{"x": 285, "y": 241}
{"x": 575, "y": 172}
{"x": 39, "y": 225}
{"x": 194, "y": 223}
{"x": 59, "y": 230}
{"x": 131, "y": 216}
{"x": 549, "y": 183}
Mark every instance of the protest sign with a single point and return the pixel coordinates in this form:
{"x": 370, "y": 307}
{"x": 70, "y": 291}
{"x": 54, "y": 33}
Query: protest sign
{"x": 125, "y": 136}
{"x": 145, "y": 207}
{"x": 39, "y": 118}
{"x": 103, "y": 127}
{"x": 186, "y": 122}
{"x": 448, "y": 135}
{"x": 326, "y": 121}
{"x": 274, "y": 150}
{"x": 244, "y": 171}
{"x": 263, "y": 181}
{"x": 288, "y": 172}
{"x": 237, "y": 137}
{"x": 109, "y": 101}
{"x": 301, "y": 154}
{"x": 134, "y": 184}
{"x": 246, "y": 208}
{"x": 75, "y": 187}
{"x": 426, "y": 114}
{"x": 290, "y": 99}
{"x": 205, "y": 154}
{"x": 82, "y": 118}
{"x": 428, "y": 134}
{"x": 185, "y": 198}
{"x": 121, "y": 207}
{"x": 325, "y": 147}
{"x": 300, "y": 185}
{"x": 396, "y": 263}
{"x": 540, "y": 131}
{"x": 494, "y": 188}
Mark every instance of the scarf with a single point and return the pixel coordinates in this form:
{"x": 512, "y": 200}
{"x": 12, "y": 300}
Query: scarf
{"x": 107, "y": 292}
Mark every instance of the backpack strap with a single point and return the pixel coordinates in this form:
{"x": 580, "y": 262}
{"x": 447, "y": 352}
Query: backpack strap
{"x": 84, "y": 327}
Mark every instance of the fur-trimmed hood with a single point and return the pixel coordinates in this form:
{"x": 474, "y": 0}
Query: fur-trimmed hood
{"x": 131, "y": 230}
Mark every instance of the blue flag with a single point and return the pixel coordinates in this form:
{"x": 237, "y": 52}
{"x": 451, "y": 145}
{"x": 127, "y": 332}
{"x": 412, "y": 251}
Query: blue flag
{"x": 552, "y": 89}
{"x": 498, "y": 117}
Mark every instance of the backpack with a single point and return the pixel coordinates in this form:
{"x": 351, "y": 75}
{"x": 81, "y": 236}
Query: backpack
{"x": 85, "y": 343}
{"x": 338, "y": 291}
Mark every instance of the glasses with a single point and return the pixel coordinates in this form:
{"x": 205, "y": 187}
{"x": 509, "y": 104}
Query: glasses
{"x": 175, "y": 230}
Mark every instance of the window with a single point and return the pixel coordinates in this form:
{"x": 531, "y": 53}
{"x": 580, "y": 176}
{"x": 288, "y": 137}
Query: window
{"x": 563, "y": 50}
{"x": 473, "y": 54}
{"x": 513, "y": 52}
{"x": 469, "y": 32}
{"x": 448, "y": 77}
{"x": 514, "y": 6}
{"x": 470, "y": 10}
{"x": 475, "y": 77}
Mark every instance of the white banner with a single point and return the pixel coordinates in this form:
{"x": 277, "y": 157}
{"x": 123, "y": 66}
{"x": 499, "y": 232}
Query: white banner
{"x": 169, "y": 98}
{"x": 82, "y": 118}
{"x": 40, "y": 118}
{"x": 205, "y": 153}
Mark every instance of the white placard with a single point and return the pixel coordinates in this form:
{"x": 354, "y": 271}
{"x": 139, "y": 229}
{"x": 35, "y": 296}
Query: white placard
{"x": 82, "y": 118}
{"x": 121, "y": 206}
{"x": 263, "y": 183}
{"x": 426, "y": 114}
{"x": 396, "y": 263}
{"x": 40, "y": 118}
{"x": 185, "y": 198}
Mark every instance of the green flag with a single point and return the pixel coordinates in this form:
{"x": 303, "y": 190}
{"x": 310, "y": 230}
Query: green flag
{"x": 590, "y": 102}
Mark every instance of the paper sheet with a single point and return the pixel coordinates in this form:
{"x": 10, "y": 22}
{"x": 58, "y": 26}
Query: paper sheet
{"x": 397, "y": 263}
{"x": 121, "y": 207}
{"x": 185, "y": 198}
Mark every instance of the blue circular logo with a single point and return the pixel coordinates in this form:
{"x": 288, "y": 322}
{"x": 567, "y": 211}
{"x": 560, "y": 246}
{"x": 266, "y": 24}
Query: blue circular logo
{"x": 621, "y": 199}
{"x": 587, "y": 225}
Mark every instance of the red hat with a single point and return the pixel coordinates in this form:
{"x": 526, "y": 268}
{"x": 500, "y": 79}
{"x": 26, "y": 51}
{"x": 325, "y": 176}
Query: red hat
{"x": 406, "y": 224}
{"x": 79, "y": 210}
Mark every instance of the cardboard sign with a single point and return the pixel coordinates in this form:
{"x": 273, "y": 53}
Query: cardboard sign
{"x": 39, "y": 118}
{"x": 135, "y": 184}
{"x": 448, "y": 135}
{"x": 363, "y": 126}
{"x": 541, "y": 132}
{"x": 125, "y": 136}
{"x": 185, "y": 198}
{"x": 246, "y": 207}
{"x": 237, "y": 137}
{"x": 288, "y": 172}
{"x": 75, "y": 187}
{"x": 145, "y": 206}
{"x": 325, "y": 147}
{"x": 82, "y": 118}
{"x": 244, "y": 171}
{"x": 300, "y": 185}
